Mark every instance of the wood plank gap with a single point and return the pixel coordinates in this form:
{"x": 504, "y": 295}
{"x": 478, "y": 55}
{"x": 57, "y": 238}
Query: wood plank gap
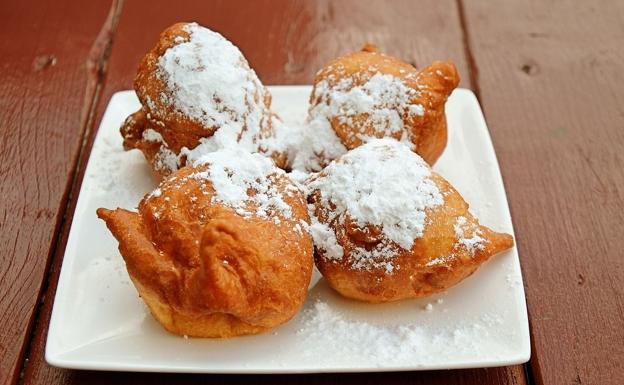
{"x": 96, "y": 67}
{"x": 474, "y": 81}
{"x": 471, "y": 62}
{"x": 528, "y": 373}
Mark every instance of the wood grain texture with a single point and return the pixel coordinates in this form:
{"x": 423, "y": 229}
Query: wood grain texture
{"x": 551, "y": 77}
{"x": 46, "y": 93}
{"x": 460, "y": 377}
{"x": 286, "y": 42}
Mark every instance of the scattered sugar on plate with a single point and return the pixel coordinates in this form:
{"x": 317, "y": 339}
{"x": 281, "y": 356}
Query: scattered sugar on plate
{"x": 334, "y": 335}
{"x": 108, "y": 157}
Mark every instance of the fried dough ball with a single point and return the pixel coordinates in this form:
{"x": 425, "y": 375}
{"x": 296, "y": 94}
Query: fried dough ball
{"x": 198, "y": 94}
{"x": 386, "y": 227}
{"x": 220, "y": 248}
{"x": 367, "y": 94}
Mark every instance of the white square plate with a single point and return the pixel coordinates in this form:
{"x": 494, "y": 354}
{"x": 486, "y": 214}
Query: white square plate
{"x": 99, "y": 322}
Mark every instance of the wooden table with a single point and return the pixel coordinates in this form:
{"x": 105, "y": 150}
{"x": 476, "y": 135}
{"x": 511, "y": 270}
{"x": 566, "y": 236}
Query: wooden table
{"x": 550, "y": 78}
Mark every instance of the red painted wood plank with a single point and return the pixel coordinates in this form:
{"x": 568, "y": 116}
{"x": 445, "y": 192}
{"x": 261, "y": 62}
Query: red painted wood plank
{"x": 286, "y": 42}
{"x": 47, "y": 86}
{"x": 551, "y": 79}
{"x": 509, "y": 375}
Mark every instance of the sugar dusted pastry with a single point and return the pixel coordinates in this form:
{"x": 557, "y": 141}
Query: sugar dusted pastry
{"x": 367, "y": 94}
{"x": 386, "y": 227}
{"x": 198, "y": 94}
{"x": 221, "y": 248}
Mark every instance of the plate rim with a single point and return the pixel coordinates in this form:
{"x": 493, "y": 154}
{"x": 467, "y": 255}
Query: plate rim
{"x": 59, "y": 359}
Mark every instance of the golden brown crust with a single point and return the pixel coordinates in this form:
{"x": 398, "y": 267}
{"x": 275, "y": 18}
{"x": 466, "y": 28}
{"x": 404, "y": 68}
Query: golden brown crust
{"x": 436, "y": 82}
{"x": 433, "y": 84}
{"x": 204, "y": 270}
{"x": 212, "y": 325}
{"x": 132, "y": 132}
{"x": 436, "y": 261}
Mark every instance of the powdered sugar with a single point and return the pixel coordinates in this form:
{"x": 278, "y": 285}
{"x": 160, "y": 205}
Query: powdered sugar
{"x": 318, "y": 145}
{"x": 208, "y": 80}
{"x": 376, "y": 107}
{"x": 325, "y": 238}
{"x": 383, "y": 99}
{"x": 280, "y": 139}
{"x": 325, "y": 323}
{"x": 245, "y": 182}
{"x": 165, "y": 160}
{"x": 473, "y": 243}
{"x": 384, "y": 184}
{"x": 440, "y": 260}
{"x": 379, "y": 257}
{"x": 332, "y": 334}
{"x": 151, "y": 135}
